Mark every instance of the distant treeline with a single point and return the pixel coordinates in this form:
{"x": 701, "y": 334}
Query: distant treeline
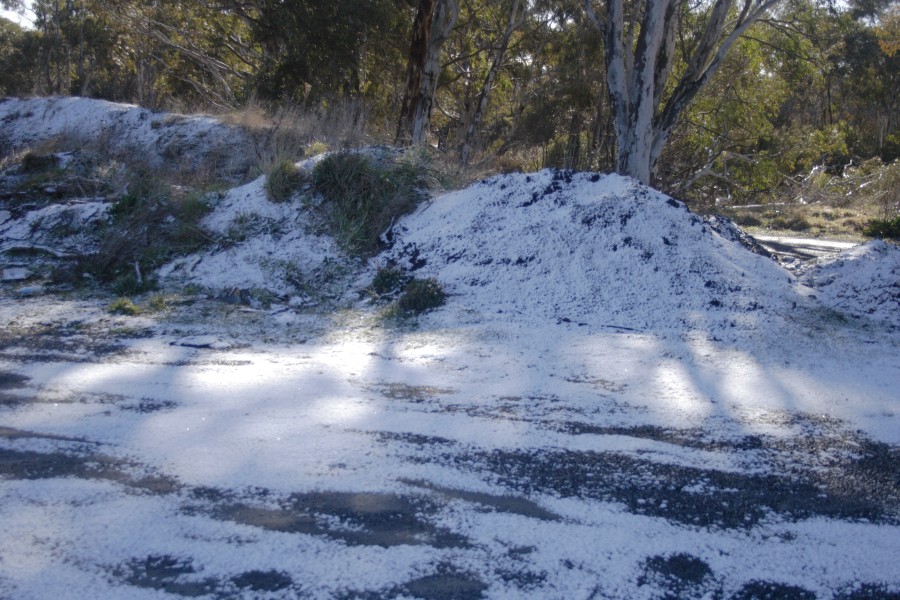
{"x": 518, "y": 83}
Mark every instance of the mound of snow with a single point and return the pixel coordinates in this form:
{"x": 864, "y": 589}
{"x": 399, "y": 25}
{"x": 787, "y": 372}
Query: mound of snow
{"x": 164, "y": 139}
{"x": 600, "y": 250}
{"x": 281, "y": 248}
{"x": 862, "y": 281}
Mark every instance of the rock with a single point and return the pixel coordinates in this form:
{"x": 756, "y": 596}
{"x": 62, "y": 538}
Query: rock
{"x": 31, "y": 290}
{"x": 236, "y": 296}
{"x": 15, "y": 274}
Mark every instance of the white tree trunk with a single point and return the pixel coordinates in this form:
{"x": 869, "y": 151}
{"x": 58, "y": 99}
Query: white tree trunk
{"x": 637, "y": 78}
{"x": 435, "y": 19}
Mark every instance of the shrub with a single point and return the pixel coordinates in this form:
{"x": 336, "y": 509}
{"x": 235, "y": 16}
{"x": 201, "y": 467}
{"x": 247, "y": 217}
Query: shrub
{"x": 128, "y": 283}
{"x": 366, "y": 196}
{"x": 315, "y": 148}
{"x": 421, "y": 295}
{"x": 157, "y": 303}
{"x": 147, "y": 231}
{"x": 283, "y": 180}
{"x": 884, "y": 228}
{"x": 387, "y": 281}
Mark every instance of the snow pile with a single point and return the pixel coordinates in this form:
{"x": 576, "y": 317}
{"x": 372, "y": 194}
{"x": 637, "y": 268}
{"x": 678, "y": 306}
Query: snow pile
{"x": 164, "y": 139}
{"x": 601, "y": 250}
{"x": 282, "y": 248}
{"x": 862, "y": 281}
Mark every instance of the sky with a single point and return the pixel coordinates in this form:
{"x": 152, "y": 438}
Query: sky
{"x": 23, "y": 20}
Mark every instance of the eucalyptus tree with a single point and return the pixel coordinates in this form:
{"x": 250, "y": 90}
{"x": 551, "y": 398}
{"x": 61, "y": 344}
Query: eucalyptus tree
{"x": 434, "y": 21}
{"x": 646, "y": 93}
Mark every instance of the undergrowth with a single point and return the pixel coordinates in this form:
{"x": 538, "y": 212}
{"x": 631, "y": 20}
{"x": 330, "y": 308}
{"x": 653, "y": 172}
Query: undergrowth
{"x": 863, "y": 200}
{"x": 154, "y": 215}
{"x": 884, "y": 228}
{"x": 147, "y": 228}
{"x": 422, "y": 295}
{"x": 123, "y": 306}
{"x": 408, "y": 296}
{"x": 293, "y": 132}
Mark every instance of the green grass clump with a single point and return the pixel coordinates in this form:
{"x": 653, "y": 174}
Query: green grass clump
{"x": 421, "y": 295}
{"x": 144, "y": 232}
{"x": 366, "y": 196}
{"x": 283, "y": 180}
{"x": 388, "y": 281}
{"x": 123, "y": 306}
{"x": 884, "y": 228}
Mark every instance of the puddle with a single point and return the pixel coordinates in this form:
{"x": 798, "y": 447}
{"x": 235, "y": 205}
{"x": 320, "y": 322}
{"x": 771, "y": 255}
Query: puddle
{"x": 70, "y": 342}
{"x": 18, "y": 464}
{"x": 166, "y": 573}
{"x": 374, "y": 519}
{"x": 410, "y": 393}
{"x": 12, "y": 381}
{"x": 509, "y": 504}
{"x": 447, "y": 583}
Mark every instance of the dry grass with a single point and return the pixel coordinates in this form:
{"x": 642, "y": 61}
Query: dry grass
{"x": 290, "y": 132}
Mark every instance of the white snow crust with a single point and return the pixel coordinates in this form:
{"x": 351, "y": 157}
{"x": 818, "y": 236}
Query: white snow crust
{"x": 863, "y": 281}
{"x": 281, "y": 248}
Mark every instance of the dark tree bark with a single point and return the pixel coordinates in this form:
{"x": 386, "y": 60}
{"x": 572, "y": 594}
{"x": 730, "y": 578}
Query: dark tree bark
{"x": 434, "y": 21}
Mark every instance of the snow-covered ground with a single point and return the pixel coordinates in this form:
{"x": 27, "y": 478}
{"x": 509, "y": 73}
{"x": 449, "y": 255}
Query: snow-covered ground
{"x": 179, "y": 142}
{"x": 616, "y": 402}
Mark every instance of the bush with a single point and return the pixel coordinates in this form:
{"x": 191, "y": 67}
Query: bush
{"x": 387, "y": 281}
{"x": 884, "y": 228}
{"x": 366, "y": 196}
{"x": 421, "y": 295}
{"x": 283, "y": 180}
{"x": 128, "y": 283}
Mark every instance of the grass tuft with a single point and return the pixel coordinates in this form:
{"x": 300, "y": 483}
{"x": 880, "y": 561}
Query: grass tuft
{"x": 366, "y": 196}
{"x": 421, "y": 295}
{"x": 884, "y": 228}
{"x": 283, "y": 180}
{"x": 388, "y": 281}
{"x": 123, "y": 306}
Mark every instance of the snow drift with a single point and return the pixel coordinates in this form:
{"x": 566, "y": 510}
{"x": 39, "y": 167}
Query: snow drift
{"x": 599, "y": 250}
{"x": 281, "y": 248}
{"x": 863, "y": 281}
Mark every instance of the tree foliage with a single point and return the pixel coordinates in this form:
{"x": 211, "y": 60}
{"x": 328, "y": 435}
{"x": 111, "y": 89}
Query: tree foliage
{"x": 514, "y": 83}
